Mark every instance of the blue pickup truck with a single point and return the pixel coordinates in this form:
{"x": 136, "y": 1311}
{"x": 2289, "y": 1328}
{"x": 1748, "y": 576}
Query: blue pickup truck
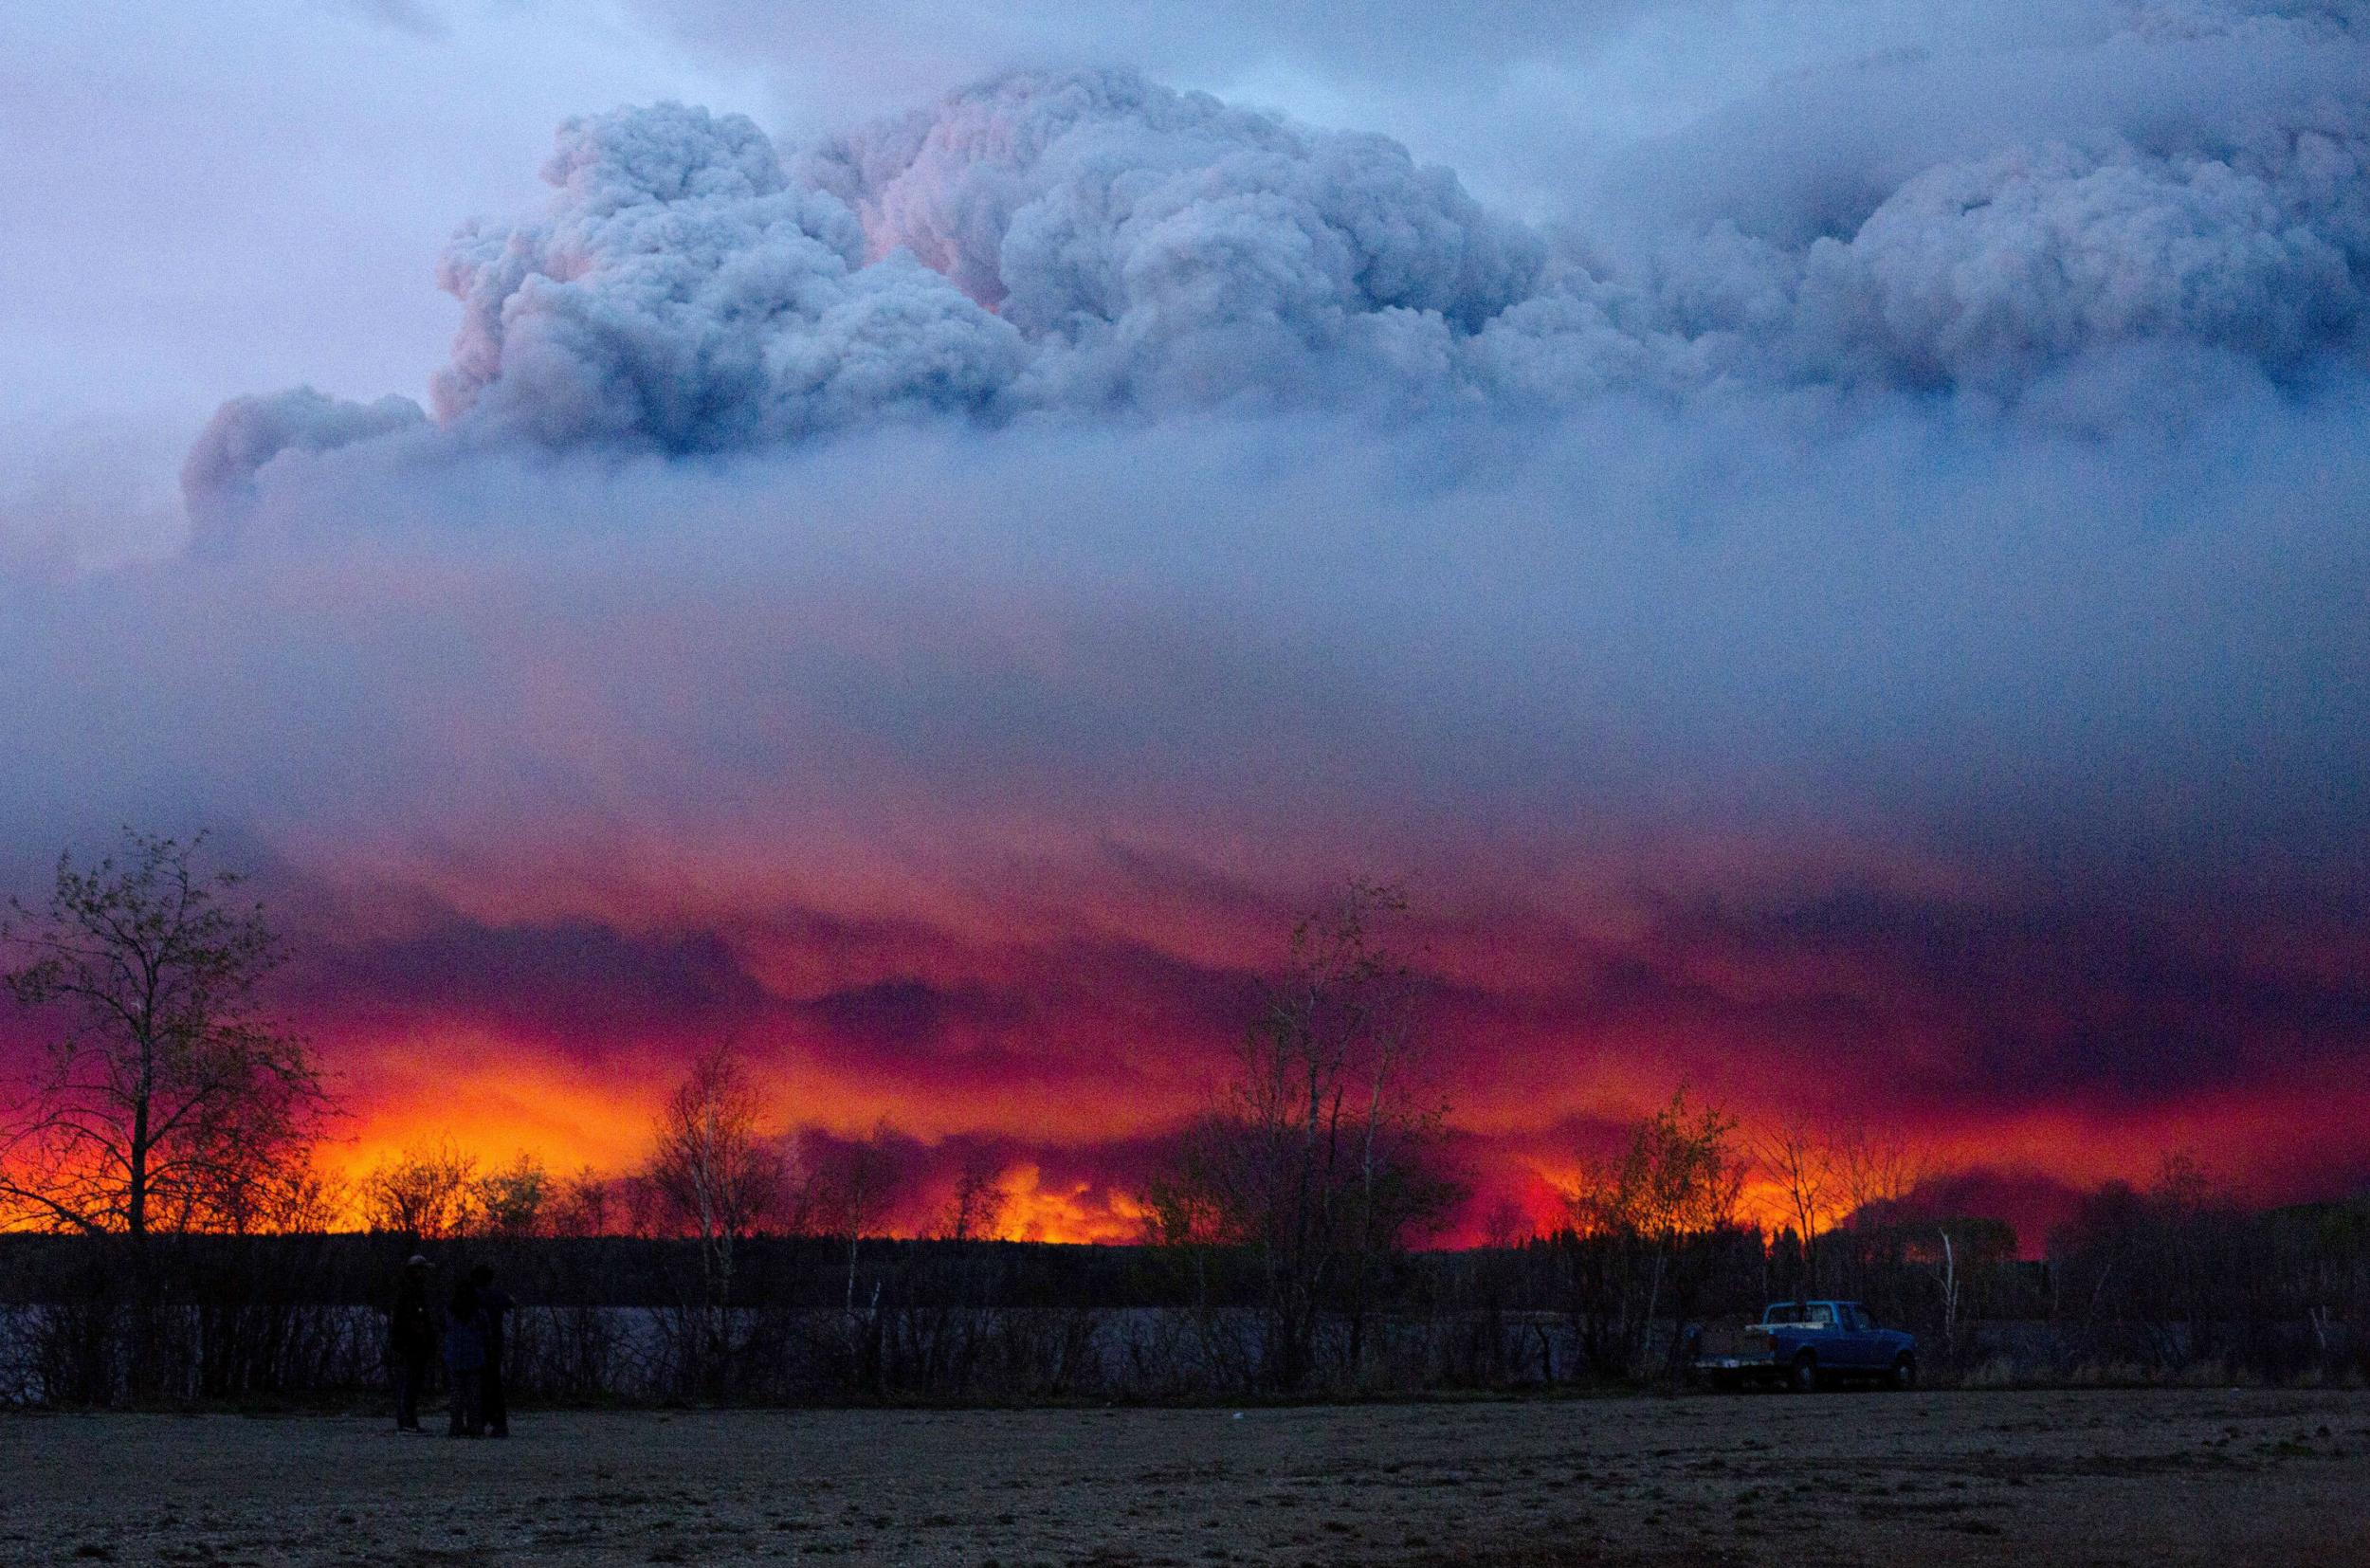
{"x": 1803, "y": 1345}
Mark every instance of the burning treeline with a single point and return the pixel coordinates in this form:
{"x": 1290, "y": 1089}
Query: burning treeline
{"x": 174, "y": 1236}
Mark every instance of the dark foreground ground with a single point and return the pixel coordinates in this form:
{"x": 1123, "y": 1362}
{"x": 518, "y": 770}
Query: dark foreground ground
{"x": 2229, "y": 1478}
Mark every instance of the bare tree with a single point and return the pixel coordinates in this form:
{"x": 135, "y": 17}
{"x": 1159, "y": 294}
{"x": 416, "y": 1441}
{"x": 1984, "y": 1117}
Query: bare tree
{"x": 437, "y": 1191}
{"x": 512, "y": 1199}
{"x": 1800, "y": 1161}
{"x": 851, "y": 1187}
{"x": 1674, "y": 1184}
{"x": 428, "y": 1189}
{"x": 295, "y": 1197}
{"x": 1874, "y": 1174}
{"x": 582, "y": 1205}
{"x": 713, "y": 1175}
{"x": 168, "y": 1101}
{"x": 1507, "y": 1227}
{"x": 976, "y": 1211}
{"x": 1325, "y": 1154}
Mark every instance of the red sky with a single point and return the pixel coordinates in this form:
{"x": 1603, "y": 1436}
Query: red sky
{"x": 1061, "y": 1026}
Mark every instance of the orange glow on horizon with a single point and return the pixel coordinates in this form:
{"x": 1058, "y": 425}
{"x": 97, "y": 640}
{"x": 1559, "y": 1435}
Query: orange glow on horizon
{"x": 1064, "y": 1212}
{"x": 496, "y": 1103}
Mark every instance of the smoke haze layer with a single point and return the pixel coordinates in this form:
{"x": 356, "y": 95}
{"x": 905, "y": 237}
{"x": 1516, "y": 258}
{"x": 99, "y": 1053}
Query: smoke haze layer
{"x": 1878, "y": 578}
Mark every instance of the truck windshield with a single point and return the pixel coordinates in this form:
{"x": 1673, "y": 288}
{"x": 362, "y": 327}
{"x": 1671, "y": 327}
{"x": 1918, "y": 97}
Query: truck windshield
{"x": 1821, "y": 1314}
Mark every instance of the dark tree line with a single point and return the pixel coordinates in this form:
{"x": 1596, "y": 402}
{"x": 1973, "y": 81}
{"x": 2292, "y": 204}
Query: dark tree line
{"x": 168, "y": 1222}
{"x": 2139, "y": 1287}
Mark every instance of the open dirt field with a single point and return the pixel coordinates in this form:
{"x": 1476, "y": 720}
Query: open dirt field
{"x": 2233, "y": 1478}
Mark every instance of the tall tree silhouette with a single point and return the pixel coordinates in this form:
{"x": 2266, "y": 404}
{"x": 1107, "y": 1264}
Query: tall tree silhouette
{"x": 1325, "y": 1154}
{"x": 167, "y": 1100}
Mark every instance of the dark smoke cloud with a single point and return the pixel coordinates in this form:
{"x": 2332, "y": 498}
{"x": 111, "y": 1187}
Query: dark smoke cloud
{"x": 218, "y": 476}
{"x": 1087, "y": 242}
{"x": 682, "y": 293}
{"x": 1891, "y": 549}
{"x": 1158, "y": 247}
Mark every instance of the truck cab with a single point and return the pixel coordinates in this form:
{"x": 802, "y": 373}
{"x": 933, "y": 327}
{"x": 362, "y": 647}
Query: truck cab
{"x": 1803, "y": 1343}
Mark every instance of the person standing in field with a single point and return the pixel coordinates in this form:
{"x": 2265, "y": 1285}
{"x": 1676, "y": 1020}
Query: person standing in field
{"x": 464, "y": 1359}
{"x": 411, "y": 1343}
{"x": 494, "y": 1304}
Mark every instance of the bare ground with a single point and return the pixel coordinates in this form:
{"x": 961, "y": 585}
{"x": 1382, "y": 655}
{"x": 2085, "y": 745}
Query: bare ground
{"x": 2229, "y": 1478}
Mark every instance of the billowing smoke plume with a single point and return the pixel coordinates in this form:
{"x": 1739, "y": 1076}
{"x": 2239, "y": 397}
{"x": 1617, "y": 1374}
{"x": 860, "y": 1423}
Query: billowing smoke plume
{"x": 1162, "y": 247}
{"x": 682, "y": 293}
{"x": 1975, "y": 273}
{"x": 217, "y": 477}
{"x": 1086, "y": 242}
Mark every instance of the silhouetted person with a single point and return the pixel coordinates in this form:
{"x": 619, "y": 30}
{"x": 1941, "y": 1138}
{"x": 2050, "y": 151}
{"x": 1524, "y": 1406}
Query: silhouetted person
{"x": 494, "y": 1305}
{"x": 465, "y": 1358}
{"x": 411, "y": 1343}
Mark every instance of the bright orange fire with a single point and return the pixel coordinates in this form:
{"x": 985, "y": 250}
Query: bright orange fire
{"x": 1068, "y": 1157}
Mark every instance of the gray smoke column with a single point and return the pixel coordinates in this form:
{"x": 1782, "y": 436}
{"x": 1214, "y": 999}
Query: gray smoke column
{"x": 218, "y": 476}
{"x": 680, "y": 293}
{"x": 1091, "y": 246}
{"x": 1976, "y": 273}
{"x": 1164, "y": 247}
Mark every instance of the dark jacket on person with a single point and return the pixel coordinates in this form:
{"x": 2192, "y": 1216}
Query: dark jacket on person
{"x": 494, "y": 1304}
{"x": 410, "y": 1328}
{"x": 464, "y": 1331}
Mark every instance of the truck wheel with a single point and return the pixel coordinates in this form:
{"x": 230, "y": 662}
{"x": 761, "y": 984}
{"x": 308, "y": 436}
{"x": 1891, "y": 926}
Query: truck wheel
{"x": 1804, "y": 1377}
{"x": 1905, "y": 1377}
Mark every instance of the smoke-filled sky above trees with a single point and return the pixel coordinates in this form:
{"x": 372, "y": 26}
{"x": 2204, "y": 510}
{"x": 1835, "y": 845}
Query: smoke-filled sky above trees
{"x": 1825, "y": 544}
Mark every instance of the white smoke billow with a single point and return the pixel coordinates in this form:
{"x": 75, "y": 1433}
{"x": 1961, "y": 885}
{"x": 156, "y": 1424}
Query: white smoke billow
{"x": 1976, "y": 273}
{"x": 682, "y": 293}
{"x": 1091, "y": 244}
{"x": 1157, "y": 246}
{"x": 217, "y": 477}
